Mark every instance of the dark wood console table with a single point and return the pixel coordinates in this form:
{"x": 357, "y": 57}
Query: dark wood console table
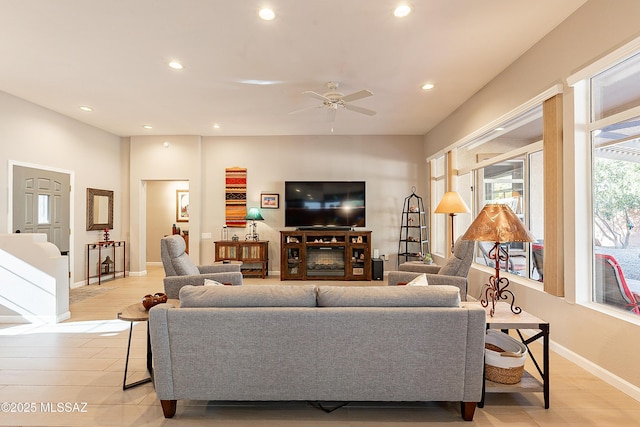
{"x": 101, "y": 269}
{"x": 252, "y": 253}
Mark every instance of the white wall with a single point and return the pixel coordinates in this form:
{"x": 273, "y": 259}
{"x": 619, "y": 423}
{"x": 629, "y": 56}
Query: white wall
{"x": 33, "y": 135}
{"x": 602, "y": 343}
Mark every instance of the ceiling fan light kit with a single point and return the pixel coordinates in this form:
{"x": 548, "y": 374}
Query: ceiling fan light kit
{"x": 332, "y": 99}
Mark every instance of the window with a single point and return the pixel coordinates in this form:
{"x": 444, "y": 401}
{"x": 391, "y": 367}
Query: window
{"x": 44, "y": 210}
{"x": 614, "y": 130}
{"x": 507, "y": 168}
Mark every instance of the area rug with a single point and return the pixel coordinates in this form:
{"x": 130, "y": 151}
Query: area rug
{"x": 88, "y": 291}
{"x": 236, "y": 197}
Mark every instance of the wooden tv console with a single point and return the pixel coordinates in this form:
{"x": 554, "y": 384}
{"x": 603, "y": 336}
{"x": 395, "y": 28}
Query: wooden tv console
{"x": 325, "y": 255}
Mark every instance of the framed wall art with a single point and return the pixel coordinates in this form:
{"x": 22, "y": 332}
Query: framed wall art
{"x": 269, "y": 201}
{"x": 182, "y": 205}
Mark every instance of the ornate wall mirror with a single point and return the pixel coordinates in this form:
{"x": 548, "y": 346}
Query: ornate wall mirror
{"x": 99, "y": 209}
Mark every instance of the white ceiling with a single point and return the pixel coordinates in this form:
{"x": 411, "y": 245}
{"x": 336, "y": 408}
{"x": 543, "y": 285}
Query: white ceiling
{"x": 112, "y": 55}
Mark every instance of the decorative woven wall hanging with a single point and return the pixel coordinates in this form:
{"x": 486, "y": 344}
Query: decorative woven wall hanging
{"x": 236, "y": 197}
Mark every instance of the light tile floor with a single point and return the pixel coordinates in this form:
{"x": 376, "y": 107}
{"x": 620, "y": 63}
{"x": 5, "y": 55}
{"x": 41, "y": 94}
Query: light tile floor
{"x": 71, "y": 374}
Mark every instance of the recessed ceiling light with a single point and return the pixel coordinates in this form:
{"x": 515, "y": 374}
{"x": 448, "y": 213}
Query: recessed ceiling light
{"x": 498, "y": 129}
{"x": 427, "y": 86}
{"x": 402, "y": 10}
{"x": 216, "y": 126}
{"x": 147, "y": 126}
{"x": 85, "y": 108}
{"x": 175, "y": 65}
{"x": 266, "y": 14}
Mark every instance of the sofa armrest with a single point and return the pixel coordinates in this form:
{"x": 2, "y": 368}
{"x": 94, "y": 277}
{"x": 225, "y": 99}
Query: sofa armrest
{"x": 173, "y": 284}
{"x": 419, "y": 267}
{"x": 440, "y": 279}
{"x": 219, "y": 268}
{"x": 160, "y": 349}
{"x": 403, "y": 277}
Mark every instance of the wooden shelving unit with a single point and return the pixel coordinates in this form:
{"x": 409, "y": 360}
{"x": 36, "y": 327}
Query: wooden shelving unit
{"x": 254, "y": 255}
{"x": 325, "y": 255}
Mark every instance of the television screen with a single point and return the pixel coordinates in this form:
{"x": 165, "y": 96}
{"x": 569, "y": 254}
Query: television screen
{"x": 324, "y": 204}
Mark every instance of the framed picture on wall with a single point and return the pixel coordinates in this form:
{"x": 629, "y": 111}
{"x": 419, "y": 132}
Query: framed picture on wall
{"x": 182, "y": 205}
{"x": 269, "y": 201}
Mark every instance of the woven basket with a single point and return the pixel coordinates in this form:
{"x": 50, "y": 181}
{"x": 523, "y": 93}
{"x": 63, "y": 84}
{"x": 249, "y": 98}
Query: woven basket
{"x": 503, "y": 375}
{"x": 502, "y": 369}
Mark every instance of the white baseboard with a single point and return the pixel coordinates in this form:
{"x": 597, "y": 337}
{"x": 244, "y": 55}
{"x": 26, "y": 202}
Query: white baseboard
{"x": 138, "y": 273}
{"x": 606, "y": 376}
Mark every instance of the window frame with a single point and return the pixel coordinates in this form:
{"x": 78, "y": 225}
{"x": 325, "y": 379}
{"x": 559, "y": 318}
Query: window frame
{"x": 583, "y": 161}
{"x": 521, "y": 154}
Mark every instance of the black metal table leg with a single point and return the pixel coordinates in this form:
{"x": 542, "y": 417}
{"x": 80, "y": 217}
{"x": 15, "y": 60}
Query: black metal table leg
{"x": 126, "y": 386}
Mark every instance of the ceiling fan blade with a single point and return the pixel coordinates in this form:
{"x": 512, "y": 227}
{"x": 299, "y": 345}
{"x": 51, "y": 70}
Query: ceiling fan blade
{"x": 360, "y": 109}
{"x": 357, "y": 95}
{"x": 316, "y": 95}
{"x": 331, "y": 115}
{"x": 306, "y": 109}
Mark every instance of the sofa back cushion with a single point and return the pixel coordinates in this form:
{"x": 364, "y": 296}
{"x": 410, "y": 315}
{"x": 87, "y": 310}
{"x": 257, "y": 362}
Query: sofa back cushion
{"x": 460, "y": 262}
{"x": 248, "y": 296}
{"x": 388, "y": 296}
{"x": 175, "y": 260}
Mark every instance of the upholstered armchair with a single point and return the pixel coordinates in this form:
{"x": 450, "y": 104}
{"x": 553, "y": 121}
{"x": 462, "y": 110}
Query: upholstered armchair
{"x": 180, "y": 270}
{"x": 454, "y": 272}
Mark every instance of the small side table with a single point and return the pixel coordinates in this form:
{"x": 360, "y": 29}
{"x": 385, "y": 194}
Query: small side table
{"x": 137, "y": 313}
{"x": 504, "y": 320}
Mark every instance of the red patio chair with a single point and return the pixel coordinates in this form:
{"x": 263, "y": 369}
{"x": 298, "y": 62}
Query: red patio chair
{"x": 611, "y": 287}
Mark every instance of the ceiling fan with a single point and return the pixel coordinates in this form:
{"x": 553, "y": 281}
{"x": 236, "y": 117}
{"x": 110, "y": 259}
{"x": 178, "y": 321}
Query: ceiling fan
{"x": 332, "y": 100}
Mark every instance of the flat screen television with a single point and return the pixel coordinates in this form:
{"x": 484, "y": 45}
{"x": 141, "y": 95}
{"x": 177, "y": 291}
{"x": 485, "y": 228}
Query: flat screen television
{"x": 324, "y": 204}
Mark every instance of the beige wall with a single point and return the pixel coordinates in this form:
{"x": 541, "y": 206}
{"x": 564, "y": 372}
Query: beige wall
{"x": 602, "y": 343}
{"x": 390, "y": 165}
{"x": 41, "y": 138}
{"x": 151, "y": 160}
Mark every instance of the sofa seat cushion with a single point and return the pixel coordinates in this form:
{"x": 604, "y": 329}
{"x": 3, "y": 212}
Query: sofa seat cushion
{"x": 388, "y": 296}
{"x": 248, "y": 296}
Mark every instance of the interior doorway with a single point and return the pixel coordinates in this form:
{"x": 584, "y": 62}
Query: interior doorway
{"x": 165, "y": 208}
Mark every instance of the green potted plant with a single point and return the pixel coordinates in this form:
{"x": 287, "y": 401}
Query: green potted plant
{"x": 428, "y": 259}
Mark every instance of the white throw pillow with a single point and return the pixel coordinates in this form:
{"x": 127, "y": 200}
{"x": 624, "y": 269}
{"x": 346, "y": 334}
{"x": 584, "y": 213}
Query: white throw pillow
{"x": 209, "y": 282}
{"x": 421, "y": 280}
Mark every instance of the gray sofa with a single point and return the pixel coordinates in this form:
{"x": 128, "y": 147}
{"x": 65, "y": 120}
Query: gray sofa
{"x": 318, "y": 343}
{"x": 181, "y": 271}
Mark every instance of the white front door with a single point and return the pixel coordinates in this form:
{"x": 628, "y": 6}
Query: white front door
{"x": 41, "y": 204}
